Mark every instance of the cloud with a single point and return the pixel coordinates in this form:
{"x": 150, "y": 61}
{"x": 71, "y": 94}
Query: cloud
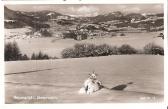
{"x": 87, "y": 9}
{"x": 132, "y": 9}
{"x": 158, "y": 8}
{"x": 84, "y": 11}
{"x": 153, "y": 8}
{"x": 71, "y": 9}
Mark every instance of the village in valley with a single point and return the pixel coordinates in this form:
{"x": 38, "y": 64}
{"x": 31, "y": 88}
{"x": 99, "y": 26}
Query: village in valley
{"x": 53, "y": 24}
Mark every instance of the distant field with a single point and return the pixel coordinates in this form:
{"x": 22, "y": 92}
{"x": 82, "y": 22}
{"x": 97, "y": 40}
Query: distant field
{"x": 62, "y": 78}
{"x": 17, "y": 33}
{"x": 53, "y": 46}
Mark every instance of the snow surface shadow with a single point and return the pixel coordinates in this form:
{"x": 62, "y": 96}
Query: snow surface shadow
{"x": 32, "y": 71}
{"x": 120, "y": 87}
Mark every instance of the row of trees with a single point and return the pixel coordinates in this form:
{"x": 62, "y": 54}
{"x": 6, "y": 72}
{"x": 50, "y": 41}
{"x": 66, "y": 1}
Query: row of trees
{"x": 91, "y": 50}
{"x": 13, "y": 53}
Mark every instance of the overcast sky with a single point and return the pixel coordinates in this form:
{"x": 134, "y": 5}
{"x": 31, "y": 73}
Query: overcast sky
{"x": 91, "y": 10}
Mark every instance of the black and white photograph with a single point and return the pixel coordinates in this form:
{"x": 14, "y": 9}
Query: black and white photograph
{"x": 83, "y": 53}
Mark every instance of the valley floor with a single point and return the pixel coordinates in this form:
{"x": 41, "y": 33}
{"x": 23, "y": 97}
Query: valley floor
{"x": 53, "y": 46}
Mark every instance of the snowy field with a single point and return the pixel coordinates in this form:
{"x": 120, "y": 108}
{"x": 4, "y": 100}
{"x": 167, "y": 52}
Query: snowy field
{"x": 58, "y": 81}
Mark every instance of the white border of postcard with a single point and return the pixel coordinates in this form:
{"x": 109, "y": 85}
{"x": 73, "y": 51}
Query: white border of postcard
{"x": 162, "y": 105}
